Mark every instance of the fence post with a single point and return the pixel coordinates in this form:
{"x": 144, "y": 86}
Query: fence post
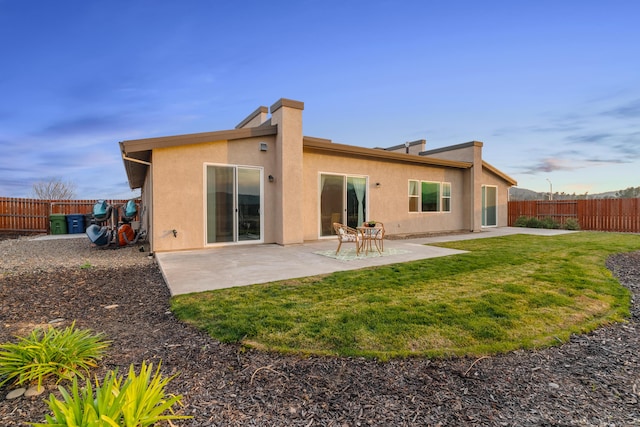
{"x": 49, "y": 212}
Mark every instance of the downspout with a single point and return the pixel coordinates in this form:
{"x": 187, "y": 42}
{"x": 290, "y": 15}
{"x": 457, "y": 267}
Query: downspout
{"x": 148, "y": 222}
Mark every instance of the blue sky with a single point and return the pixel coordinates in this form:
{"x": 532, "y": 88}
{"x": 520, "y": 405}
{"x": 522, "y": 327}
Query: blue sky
{"x": 552, "y": 88}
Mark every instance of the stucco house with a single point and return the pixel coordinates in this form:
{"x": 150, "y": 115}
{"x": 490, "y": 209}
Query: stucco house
{"x": 264, "y": 182}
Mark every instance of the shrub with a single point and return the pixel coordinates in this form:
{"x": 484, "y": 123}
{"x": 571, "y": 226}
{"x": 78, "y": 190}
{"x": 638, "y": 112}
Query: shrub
{"x": 534, "y": 223}
{"x": 139, "y": 401}
{"x": 571, "y": 224}
{"x": 51, "y": 352}
{"x": 521, "y": 221}
{"x": 549, "y": 223}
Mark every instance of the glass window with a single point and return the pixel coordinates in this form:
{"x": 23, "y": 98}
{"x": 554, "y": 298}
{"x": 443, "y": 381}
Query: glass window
{"x": 249, "y": 200}
{"x": 234, "y": 204}
{"x": 343, "y": 199}
{"x": 356, "y": 201}
{"x": 414, "y": 196}
{"x": 430, "y": 196}
{"x": 446, "y": 197}
{"x": 220, "y": 204}
{"x": 489, "y": 206}
{"x": 331, "y": 202}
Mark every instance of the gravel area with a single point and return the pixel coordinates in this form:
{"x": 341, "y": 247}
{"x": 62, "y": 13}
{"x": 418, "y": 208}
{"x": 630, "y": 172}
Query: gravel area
{"x": 593, "y": 380}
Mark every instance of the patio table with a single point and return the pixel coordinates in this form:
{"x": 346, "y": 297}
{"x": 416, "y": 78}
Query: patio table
{"x": 368, "y": 235}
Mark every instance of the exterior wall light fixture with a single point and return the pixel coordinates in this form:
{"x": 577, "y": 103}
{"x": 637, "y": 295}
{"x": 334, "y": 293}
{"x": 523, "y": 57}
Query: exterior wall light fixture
{"x": 271, "y": 178}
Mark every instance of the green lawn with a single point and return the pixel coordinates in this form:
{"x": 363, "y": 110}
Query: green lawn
{"x": 507, "y": 293}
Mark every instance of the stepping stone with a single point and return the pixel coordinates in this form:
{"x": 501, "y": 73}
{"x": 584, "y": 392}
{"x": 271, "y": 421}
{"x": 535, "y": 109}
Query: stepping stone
{"x": 34, "y": 391}
{"x": 14, "y": 394}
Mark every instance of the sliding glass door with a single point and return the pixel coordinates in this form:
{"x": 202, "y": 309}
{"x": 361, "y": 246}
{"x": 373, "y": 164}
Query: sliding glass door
{"x": 220, "y": 206}
{"x": 249, "y": 201}
{"x": 234, "y": 204}
{"x": 489, "y": 206}
{"x": 343, "y": 199}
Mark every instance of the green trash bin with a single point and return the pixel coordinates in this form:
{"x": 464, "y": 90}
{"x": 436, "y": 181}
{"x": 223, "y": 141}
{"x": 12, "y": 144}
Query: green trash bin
{"x": 58, "y": 223}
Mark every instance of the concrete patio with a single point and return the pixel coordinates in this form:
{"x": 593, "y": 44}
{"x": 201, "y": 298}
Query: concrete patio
{"x": 241, "y": 265}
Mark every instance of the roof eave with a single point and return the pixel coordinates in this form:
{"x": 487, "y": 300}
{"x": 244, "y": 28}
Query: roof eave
{"x": 326, "y": 145}
{"x": 137, "y": 145}
{"x": 140, "y": 149}
{"x": 499, "y": 173}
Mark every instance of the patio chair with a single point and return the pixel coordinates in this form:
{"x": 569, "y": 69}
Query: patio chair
{"x": 379, "y": 236}
{"x": 346, "y": 235}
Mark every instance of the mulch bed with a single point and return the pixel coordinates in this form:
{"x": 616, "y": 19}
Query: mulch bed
{"x": 592, "y": 380}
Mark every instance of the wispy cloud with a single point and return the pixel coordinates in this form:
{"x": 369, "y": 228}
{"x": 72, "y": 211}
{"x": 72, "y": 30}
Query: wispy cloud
{"x": 82, "y": 125}
{"x": 622, "y": 146}
{"x": 555, "y": 164}
{"x": 548, "y": 165}
{"x": 629, "y": 145}
{"x": 596, "y": 138}
{"x": 630, "y": 110}
{"x": 588, "y": 151}
{"x": 80, "y": 149}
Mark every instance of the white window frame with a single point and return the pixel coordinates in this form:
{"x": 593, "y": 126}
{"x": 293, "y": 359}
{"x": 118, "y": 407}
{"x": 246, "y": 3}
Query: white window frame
{"x": 415, "y": 196}
{"x": 418, "y": 197}
{"x": 346, "y": 177}
{"x": 484, "y": 223}
{"x": 235, "y": 232}
{"x": 443, "y": 197}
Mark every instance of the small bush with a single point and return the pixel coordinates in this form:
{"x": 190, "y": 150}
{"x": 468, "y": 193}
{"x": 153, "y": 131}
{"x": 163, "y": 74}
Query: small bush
{"x": 571, "y": 224}
{"x": 521, "y": 221}
{"x": 533, "y": 222}
{"x": 50, "y": 353}
{"x": 139, "y": 401}
{"x": 550, "y": 224}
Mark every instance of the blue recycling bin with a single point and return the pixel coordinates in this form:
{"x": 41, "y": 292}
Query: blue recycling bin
{"x": 75, "y": 223}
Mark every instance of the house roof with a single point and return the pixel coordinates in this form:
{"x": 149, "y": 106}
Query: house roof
{"x": 499, "y": 173}
{"x": 326, "y": 145}
{"x": 136, "y": 153}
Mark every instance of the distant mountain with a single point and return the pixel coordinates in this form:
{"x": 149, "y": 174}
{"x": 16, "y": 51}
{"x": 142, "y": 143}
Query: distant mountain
{"x": 524, "y": 194}
{"x": 516, "y": 193}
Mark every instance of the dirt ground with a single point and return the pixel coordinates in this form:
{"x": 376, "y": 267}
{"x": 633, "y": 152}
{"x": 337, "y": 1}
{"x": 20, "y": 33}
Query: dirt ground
{"x": 593, "y": 380}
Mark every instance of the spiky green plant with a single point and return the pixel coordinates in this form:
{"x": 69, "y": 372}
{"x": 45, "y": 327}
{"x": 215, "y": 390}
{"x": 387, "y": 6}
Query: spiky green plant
{"x": 138, "y": 401}
{"x": 51, "y": 352}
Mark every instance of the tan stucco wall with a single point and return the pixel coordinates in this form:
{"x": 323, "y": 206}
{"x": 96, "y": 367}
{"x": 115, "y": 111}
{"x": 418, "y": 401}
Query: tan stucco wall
{"x": 178, "y": 203}
{"x": 463, "y": 152}
{"x": 288, "y": 207}
{"x": 468, "y": 152}
{"x": 388, "y": 203}
{"x": 179, "y": 196}
{"x": 489, "y": 178}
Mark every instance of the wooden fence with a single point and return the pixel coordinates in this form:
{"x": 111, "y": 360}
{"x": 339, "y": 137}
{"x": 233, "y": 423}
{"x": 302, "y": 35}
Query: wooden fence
{"x": 32, "y": 215}
{"x": 622, "y": 215}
